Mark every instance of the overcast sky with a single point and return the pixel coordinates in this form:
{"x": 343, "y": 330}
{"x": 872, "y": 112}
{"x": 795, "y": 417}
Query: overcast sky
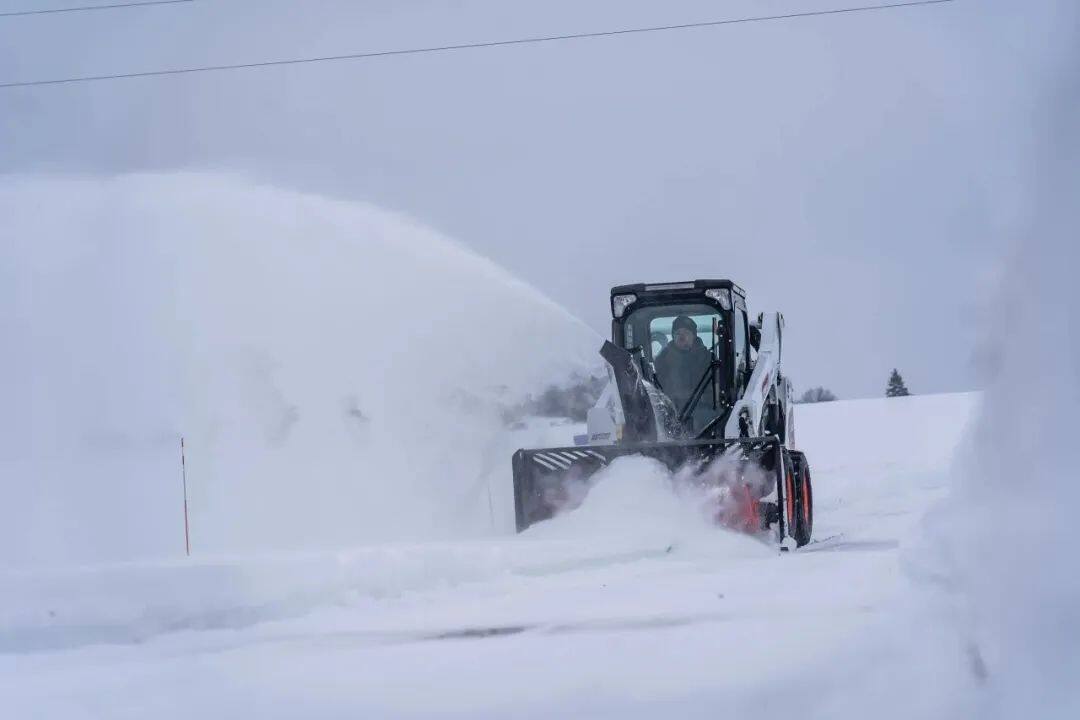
{"x": 862, "y": 172}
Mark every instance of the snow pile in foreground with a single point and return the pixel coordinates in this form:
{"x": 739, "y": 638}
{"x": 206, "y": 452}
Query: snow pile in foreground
{"x": 637, "y": 500}
{"x": 337, "y": 371}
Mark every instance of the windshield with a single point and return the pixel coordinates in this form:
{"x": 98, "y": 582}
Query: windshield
{"x": 677, "y": 342}
{"x": 651, "y": 328}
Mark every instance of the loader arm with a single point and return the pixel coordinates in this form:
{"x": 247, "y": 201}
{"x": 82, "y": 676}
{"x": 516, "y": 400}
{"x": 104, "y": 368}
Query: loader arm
{"x": 764, "y": 377}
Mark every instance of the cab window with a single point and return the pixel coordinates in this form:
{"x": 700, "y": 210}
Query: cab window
{"x": 651, "y": 328}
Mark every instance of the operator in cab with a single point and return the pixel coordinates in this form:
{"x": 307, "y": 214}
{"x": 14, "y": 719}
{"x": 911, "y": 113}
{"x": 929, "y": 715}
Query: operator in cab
{"x": 682, "y": 363}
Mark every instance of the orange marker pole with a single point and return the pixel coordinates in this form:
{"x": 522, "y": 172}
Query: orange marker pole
{"x": 183, "y": 471}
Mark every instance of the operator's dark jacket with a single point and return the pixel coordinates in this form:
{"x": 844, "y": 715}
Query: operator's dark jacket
{"x": 680, "y": 370}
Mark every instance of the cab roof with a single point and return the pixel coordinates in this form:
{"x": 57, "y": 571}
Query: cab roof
{"x": 646, "y": 289}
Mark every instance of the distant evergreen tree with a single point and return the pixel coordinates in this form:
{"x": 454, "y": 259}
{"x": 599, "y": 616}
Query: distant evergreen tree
{"x": 817, "y": 394}
{"x": 896, "y": 386}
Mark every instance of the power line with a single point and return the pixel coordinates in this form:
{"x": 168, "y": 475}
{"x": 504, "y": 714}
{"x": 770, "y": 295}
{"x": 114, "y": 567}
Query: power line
{"x": 86, "y": 8}
{"x": 466, "y": 46}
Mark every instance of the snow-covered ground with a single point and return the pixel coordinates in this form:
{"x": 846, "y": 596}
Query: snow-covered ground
{"x": 629, "y": 607}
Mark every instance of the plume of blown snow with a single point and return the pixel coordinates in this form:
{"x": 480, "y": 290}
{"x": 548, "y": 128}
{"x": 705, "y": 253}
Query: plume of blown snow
{"x": 337, "y": 371}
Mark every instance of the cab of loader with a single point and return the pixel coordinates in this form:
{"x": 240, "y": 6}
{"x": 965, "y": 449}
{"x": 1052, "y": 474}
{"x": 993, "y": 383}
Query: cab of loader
{"x": 643, "y": 319}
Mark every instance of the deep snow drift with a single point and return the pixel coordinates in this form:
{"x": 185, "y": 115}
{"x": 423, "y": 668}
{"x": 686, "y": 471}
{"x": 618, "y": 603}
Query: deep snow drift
{"x": 338, "y": 372}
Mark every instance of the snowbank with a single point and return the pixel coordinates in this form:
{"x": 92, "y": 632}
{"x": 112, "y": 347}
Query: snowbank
{"x": 1009, "y": 542}
{"x": 993, "y": 627}
{"x": 133, "y": 602}
{"x": 337, "y": 371}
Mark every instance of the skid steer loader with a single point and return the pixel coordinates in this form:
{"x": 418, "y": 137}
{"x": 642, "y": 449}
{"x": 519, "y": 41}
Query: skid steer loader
{"x": 732, "y": 431}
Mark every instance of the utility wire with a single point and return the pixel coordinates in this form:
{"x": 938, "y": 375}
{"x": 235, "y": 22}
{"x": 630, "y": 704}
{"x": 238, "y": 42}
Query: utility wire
{"x": 465, "y": 46}
{"x": 85, "y": 8}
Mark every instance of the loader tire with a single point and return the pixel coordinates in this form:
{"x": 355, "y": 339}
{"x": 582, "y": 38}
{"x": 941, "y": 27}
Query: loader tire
{"x": 804, "y": 500}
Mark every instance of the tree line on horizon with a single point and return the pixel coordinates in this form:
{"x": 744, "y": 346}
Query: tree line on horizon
{"x": 894, "y": 388}
{"x": 574, "y": 399}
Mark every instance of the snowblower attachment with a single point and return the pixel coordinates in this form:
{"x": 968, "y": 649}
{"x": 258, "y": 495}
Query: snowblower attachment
{"x": 753, "y": 479}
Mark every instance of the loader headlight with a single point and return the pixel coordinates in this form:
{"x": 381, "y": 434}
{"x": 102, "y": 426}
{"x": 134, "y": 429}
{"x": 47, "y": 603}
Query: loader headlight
{"x": 619, "y": 303}
{"x": 721, "y": 295}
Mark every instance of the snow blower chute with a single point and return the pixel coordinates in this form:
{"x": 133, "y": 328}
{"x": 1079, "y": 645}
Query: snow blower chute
{"x": 697, "y": 387}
